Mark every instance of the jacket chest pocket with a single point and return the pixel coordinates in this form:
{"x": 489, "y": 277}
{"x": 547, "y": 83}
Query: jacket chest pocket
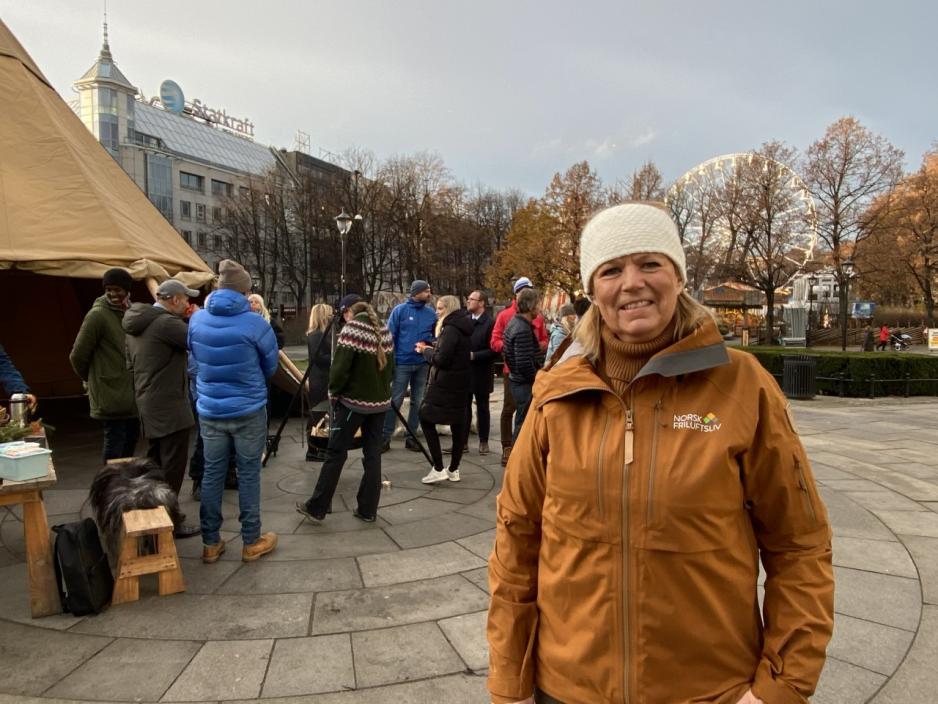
{"x": 583, "y": 476}
{"x": 694, "y": 500}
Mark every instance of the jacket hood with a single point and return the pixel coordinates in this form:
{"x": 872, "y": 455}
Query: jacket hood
{"x": 227, "y": 302}
{"x": 702, "y": 349}
{"x": 139, "y": 317}
{"x": 460, "y": 319}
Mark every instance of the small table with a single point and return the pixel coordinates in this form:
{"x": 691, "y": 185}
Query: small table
{"x": 43, "y": 590}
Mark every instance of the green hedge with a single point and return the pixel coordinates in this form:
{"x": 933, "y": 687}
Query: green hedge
{"x": 889, "y": 369}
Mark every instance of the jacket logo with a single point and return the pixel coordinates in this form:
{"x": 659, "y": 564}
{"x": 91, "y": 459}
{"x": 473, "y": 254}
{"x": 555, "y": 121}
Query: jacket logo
{"x": 702, "y": 424}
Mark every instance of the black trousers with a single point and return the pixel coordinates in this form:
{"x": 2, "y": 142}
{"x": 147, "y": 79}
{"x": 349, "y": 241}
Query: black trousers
{"x": 341, "y": 438}
{"x": 508, "y": 412}
{"x": 483, "y": 414}
{"x": 120, "y": 438}
{"x": 460, "y": 436}
{"x": 171, "y": 452}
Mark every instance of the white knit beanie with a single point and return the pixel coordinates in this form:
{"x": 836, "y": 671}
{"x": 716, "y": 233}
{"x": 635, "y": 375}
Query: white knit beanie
{"x": 630, "y": 228}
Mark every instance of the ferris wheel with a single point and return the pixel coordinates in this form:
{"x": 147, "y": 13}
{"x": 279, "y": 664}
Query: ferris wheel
{"x": 709, "y": 180}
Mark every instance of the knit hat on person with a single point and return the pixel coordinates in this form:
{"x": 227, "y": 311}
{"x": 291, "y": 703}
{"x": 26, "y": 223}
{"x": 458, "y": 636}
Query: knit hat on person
{"x": 117, "y": 277}
{"x": 630, "y": 228}
{"x": 232, "y": 275}
{"x": 520, "y": 283}
{"x": 419, "y": 286}
{"x": 173, "y": 287}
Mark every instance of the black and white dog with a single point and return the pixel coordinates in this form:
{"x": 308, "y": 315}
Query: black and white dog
{"x": 125, "y": 486}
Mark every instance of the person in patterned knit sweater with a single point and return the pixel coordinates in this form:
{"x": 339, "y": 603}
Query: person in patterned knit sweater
{"x": 360, "y": 390}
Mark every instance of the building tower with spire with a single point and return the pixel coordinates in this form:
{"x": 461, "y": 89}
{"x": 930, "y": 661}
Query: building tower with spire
{"x": 106, "y": 101}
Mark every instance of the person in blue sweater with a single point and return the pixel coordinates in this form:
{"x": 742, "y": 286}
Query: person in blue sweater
{"x": 11, "y": 381}
{"x": 411, "y": 322}
{"x": 236, "y": 352}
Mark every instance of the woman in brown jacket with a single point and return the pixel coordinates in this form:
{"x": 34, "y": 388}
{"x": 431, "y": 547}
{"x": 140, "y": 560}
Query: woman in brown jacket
{"x": 654, "y": 470}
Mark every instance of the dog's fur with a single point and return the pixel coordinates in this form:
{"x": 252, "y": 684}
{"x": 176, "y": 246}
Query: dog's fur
{"x": 125, "y": 486}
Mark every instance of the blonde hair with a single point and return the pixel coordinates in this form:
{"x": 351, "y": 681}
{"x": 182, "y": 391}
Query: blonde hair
{"x": 450, "y": 303}
{"x": 319, "y": 316}
{"x": 362, "y": 307}
{"x": 688, "y": 316}
{"x": 260, "y": 299}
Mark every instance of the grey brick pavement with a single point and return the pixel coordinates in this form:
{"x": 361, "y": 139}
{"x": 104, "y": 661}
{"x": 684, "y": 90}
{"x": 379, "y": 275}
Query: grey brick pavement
{"x": 349, "y": 613}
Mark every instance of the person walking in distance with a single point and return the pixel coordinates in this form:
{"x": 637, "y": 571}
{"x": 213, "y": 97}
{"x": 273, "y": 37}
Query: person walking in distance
{"x": 98, "y": 357}
{"x": 481, "y": 358}
{"x": 236, "y": 352}
{"x": 498, "y": 332}
{"x": 410, "y": 322}
{"x": 522, "y": 354}
{"x": 157, "y": 355}
{"x": 883, "y": 338}
{"x": 360, "y": 390}
{"x": 450, "y": 382}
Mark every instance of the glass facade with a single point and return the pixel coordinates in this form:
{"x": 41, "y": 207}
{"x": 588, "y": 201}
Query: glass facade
{"x": 107, "y": 101}
{"x": 110, "y": 136}
{"x": 160, "y": 184}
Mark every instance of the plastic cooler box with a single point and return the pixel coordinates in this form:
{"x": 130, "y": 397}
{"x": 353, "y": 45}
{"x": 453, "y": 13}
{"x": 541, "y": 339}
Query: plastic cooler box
{"x": 33, "y": 465}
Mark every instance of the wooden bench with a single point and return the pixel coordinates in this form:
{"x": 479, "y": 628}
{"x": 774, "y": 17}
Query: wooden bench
{"x": 165, "y": 563}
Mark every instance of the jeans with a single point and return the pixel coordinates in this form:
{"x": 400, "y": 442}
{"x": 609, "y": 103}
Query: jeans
{"x": 197, "y": 460}
{"x": 249, "y": 435}
{"x": 416, "y": 376}
{"x": 341, "y": 437}
{"x": 120, "y": 438}
{"x": 521, "y": 393}
{"x": 482, "y": 413}
{"x": 508, "y": 410}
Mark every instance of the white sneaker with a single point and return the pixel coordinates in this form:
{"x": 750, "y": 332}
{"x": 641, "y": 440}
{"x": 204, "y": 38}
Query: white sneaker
{"x": 452, "y": 476}
{"x": 435, "y": 476}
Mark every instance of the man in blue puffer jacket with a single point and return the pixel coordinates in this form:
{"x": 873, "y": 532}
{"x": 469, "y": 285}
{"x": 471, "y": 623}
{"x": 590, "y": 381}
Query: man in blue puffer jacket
{"x": 236, "y": 352}
{"x": 410, "y": 322}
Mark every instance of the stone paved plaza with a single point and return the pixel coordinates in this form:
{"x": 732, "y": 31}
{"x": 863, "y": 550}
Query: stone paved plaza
{"x": 349, "y": 613}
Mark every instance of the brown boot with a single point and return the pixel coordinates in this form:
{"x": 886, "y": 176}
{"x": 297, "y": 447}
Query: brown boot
{"x": 211, "y": 553}
{"x": 506, "y": 451}
{"x": 260, "y": 547}
{"x": 483, "y": 448}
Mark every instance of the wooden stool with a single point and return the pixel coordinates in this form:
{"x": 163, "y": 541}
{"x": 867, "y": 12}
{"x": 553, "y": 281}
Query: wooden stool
{"x": 131, "y": 564}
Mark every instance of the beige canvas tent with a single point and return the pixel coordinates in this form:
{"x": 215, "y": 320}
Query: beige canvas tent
{"x": 67, "y": 214}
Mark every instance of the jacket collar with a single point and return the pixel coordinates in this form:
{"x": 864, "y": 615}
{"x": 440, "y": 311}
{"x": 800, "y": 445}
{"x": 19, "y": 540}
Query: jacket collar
{"x": 701, "y": 350}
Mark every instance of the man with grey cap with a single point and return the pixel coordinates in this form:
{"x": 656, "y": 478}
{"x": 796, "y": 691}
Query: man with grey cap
{"x": 410, "y": 322}
{"x": 156, "y": 354}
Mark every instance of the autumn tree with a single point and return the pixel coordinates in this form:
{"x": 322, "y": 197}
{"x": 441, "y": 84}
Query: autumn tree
{"x": 846, "y": 170}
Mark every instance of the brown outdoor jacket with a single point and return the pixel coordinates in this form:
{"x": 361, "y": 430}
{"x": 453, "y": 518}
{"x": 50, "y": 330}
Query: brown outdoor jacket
{"x": 699, "y": 475}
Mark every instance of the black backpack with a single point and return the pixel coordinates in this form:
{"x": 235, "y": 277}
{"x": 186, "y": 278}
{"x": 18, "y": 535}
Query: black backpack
{"x": 81, "y": 568}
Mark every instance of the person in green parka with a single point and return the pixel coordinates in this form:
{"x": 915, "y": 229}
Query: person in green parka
{"x": 98, "y": 357}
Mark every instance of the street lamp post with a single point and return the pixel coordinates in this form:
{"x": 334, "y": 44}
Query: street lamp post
{"x": 812, "y": 282}
{"x": 847, "y": 274}
{"x": 344, "y": 222}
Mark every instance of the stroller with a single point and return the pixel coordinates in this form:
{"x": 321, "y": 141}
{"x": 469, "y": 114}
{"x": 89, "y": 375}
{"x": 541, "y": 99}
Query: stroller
{"x": 900, "y": 342}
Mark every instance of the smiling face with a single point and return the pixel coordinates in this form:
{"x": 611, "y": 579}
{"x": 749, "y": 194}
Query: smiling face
{"x": 637, "y": 295}
{"x": 116, "y": 295}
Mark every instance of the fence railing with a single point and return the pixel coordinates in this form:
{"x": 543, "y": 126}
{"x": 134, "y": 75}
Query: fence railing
{"x": 837, "y": 385}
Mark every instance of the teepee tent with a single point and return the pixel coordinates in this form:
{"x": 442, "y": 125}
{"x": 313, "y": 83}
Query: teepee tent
{"x": 68, "y": 213}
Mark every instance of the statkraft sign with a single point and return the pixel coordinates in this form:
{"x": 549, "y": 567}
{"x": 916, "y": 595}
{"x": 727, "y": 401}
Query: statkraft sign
{"x": 173, "y": 100}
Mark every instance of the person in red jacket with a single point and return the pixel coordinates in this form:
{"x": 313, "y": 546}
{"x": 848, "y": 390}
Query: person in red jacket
{"x": 497, "y": 343}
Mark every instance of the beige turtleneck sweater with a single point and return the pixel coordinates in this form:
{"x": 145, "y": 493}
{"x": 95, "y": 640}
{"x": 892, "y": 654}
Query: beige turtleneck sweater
{"x": 621, "y": 361}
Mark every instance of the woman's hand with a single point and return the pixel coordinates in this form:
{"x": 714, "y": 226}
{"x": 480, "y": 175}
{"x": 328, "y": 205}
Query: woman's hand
{"x": 421, "y": 346}
{"x": 748, "y": 698}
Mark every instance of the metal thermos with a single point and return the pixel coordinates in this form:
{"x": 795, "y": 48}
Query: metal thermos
{"x": 19, "y": 404}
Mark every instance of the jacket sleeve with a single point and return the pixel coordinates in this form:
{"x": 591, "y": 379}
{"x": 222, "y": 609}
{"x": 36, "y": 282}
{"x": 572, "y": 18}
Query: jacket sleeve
{"x": 794, "y": 538}
{"x": 524, "y": 358}
{"x": 394, "y": 322}
{"x": 267, "y": 349}
{"x": 85, "y": 343}
{"x": 513, "y": 615}
{"x": 10, "y": 378}
{"x": 497, "y": 342}
{"x": 444, "y": 353}
{"x": 174, "y": 331}
{"x": 485, "y": 354}
{"x": 342, "y": 366}
{"x": 540, "y": 330}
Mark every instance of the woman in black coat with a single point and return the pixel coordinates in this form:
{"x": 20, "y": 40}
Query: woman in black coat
{"x": 320, "y": 359}
{"x": 444, "y": 402}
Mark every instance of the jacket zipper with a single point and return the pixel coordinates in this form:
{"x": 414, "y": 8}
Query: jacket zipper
{"x": 629, "y": 455}
{"x": 651, "y": 467}
{"x": 599, "y": 473}
{"x": 803, "y": 485}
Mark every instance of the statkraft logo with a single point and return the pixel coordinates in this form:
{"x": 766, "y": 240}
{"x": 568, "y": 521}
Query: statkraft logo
{"x": 692, "y": 421}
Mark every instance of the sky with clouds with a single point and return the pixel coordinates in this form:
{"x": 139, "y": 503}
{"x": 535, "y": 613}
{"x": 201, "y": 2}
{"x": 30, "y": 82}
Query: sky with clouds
{"x": 508, "y": 92}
